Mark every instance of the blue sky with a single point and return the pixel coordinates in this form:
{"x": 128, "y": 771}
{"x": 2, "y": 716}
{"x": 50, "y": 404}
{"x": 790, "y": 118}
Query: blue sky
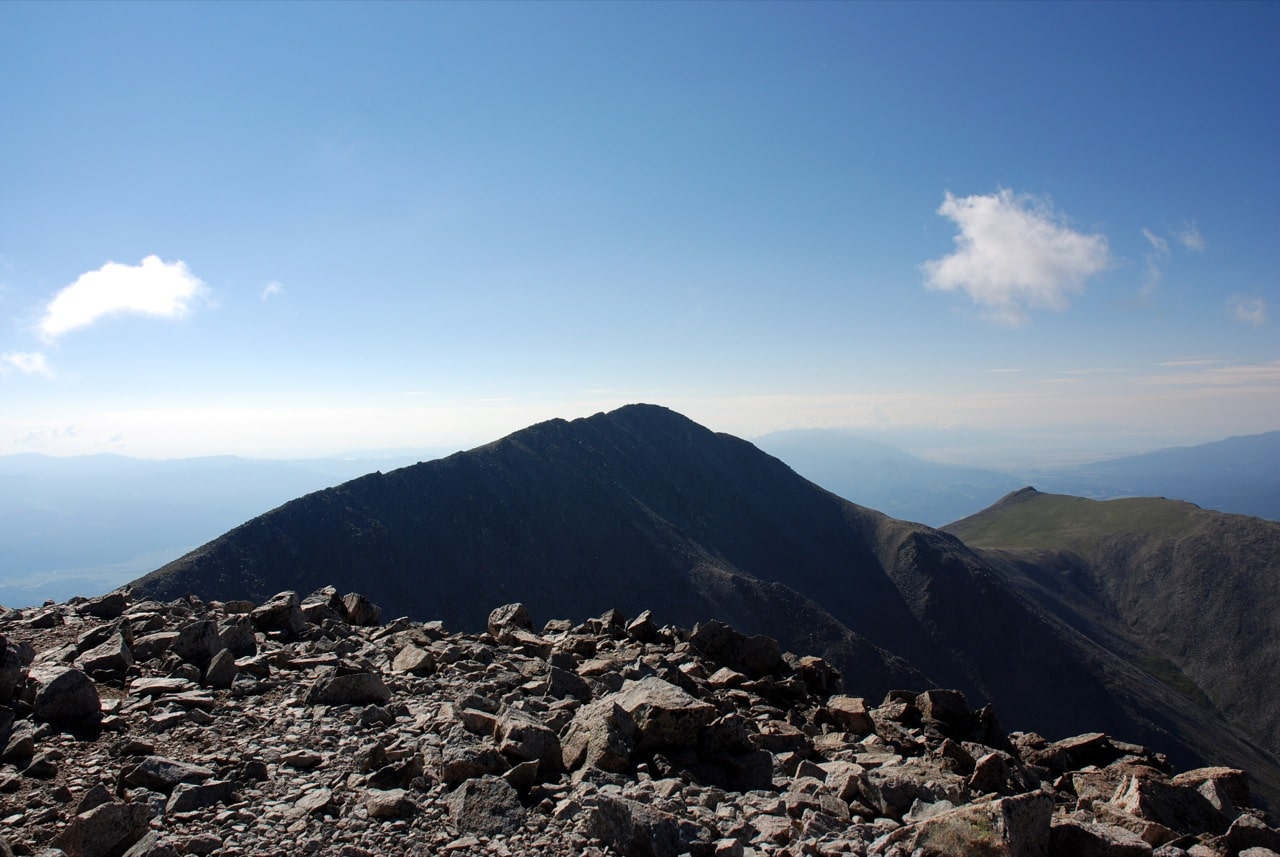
{"x": 282, "y": 229}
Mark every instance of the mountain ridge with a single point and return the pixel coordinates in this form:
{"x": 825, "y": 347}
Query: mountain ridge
{"x": 1187, "y": 589}
{"x": 641, "y": 508}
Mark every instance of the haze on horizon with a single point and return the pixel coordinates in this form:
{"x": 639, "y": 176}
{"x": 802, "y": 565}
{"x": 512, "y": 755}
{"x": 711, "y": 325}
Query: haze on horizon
{"x": 299, "y": 229}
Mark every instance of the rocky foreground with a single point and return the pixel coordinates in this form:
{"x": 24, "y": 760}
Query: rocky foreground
{"x": 308, "y": 727}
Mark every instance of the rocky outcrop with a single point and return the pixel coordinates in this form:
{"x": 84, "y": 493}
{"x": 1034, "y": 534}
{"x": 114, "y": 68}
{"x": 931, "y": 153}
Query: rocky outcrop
{"x": 304, "y": 726}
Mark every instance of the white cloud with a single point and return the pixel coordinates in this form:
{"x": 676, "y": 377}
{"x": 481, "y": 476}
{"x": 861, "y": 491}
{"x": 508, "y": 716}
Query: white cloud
{"x": 271, "y": 289}
{"x": 1155, "y": 260}
{"x": 153, "y": 288}
{"x": 26, "y": 362}
{"x": 1248, "y": 309}
{"x": 1160, "y": 244}
{"x": 1189, "y": 236}
{"x": 1014, "y": 253}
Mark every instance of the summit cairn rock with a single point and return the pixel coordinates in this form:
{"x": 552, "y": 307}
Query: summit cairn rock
{"x": 221, "y": 729}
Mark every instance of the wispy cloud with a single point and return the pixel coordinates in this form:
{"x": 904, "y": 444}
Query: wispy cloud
{"x": 26, "y": 362}
{"x": 1014, "y": 254}
{"x": 1240, "y": 376}
{"x": 1159, "y": 244}
{"x": 152, "y": 288}
{"x": 1097, "y": 370}
{"x": 1248, "y": 309}
{"x": 271, "y": 289}
{"x": 1191, "y": 361}
{"x": 1189, "y": 236}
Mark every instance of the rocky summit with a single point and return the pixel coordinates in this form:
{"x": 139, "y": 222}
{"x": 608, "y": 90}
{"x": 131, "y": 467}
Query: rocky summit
{"x": 310, "y": 725}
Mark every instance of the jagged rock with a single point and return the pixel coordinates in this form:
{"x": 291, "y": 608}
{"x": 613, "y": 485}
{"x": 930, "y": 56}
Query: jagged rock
{"x": 634, "y": 828}
{"x": 1025, "y": 823}
{"x": 948, "y": 707}
{"x": 1247, "y": 831}
{"x": 151, "y": 845}
{"x": 358, "y": 688}
{"x": 892, "y": 790}
{"x": 509, "y": 617}
{"x": 523, "y": 739}
{"x": 21, "y": 743}
{"x": 1011, "y": 827}
{"x": 197, "y": 642}
{"x": 1178, "y": 808}
{"x": 642, "y": 628}
{"x": 222, "y": 670}
{"x": 511, "y": 625}
{"x": 111, "y": 658}
{"x": 756, "y": 656}
{"x": 64, "y": 694}
{"x": 518, "y": 744}
{"x": 281, "y": 614}
{"x": 162, "y": 774}
{"x": 412, "y": 659}
{"x": 315, "y": 801}
{"x": 463, "y": 761}
{"x": 154, "y": 645}
{"x": 665, "y": 714}
{"x": 109, "y": 606}
{"x": 1226, "y": 789}
{"x": 850, "y": 714}
{"x": 192, "y": 796}
{"x": 486, "y": 806}
{"x": 237, "y": 633}
{"x": 1070, "y": 837}
{"x": 104, "y": 830}
{"x": 602, "y": 735}
{"x": 10, "y": 670}
{"x": 324, "y": 603}
{"x": 1077, "y": 752}
{"x": 361, "y": 611}
{"x": 393, "y": 803}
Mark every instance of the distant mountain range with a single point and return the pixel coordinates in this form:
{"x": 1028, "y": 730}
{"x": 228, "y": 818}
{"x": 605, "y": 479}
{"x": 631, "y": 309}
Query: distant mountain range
{"x": 1239, "y": 475}
{"x": 642, "y": 508}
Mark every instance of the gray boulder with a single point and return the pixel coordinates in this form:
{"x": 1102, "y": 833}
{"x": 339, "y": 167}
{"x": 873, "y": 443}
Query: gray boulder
{"x": 357, "y": 688}
{"x": 523, "y": 739}
{"x": 757, "y": 656}
{"x": 10, "y": 670}
{"x": 601, "y": 735}
{"x": 112, "y": 658}
{"x": 107, "y": 829}
{"x": 162, "y": 774}
{"x": 197, "y": 642}
{"x": 281, "y": 614}
{"x": 360, "y": 610}
{"x": 486, "y": 806}
{"x": 665, "y": 714}
{"x": 64, "y": 694}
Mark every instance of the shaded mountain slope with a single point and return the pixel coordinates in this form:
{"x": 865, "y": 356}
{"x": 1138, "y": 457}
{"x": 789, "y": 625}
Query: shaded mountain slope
{"x": 1192, "y": 595}
{"x": 642, "y": 508}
